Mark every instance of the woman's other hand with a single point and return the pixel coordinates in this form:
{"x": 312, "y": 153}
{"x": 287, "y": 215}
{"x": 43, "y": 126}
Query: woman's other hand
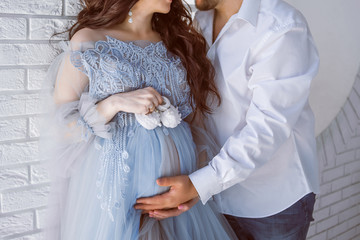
{"x": 173, "y": 212}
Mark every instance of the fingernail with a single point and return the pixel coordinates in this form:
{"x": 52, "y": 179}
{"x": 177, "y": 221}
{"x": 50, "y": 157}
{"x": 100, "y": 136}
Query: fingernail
{"x": 180, "y": 207}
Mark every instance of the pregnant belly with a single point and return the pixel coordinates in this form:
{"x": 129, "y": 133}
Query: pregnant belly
{"x": 160, "y": 152}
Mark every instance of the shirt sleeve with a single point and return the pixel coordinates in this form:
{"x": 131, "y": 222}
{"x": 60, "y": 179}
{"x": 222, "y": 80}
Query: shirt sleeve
{"x": 279, "y": 75}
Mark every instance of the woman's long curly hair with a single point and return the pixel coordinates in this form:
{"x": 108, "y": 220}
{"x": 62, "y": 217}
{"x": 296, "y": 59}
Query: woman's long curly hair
{"x": 177, "y": 33}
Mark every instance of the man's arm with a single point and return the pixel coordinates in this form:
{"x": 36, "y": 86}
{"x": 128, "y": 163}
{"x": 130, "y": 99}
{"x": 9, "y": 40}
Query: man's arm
{"x": 280, "y": 75}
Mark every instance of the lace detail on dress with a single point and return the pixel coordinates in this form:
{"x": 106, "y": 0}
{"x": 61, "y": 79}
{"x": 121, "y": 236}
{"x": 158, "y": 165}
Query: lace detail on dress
{"x": 114, "y": 66}
{"x": 114, "y": 172}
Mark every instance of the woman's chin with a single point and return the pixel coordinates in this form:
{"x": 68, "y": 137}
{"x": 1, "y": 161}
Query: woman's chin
{"x": 166, "y": 8}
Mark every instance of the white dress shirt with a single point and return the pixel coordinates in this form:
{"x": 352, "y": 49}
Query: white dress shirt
{"x": 265, "y": 59}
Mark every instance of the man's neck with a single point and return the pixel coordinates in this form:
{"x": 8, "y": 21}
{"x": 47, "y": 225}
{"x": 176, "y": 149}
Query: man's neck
{"x": 223, "y": 12}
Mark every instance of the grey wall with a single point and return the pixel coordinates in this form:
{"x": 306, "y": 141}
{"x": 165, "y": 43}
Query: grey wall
{"x": 335, "y": 27}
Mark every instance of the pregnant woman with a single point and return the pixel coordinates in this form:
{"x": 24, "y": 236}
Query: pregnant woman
{"x": 132, "y": 74}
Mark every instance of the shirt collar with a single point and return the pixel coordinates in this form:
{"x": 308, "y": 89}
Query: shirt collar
{"x": 205, "y": 24}
{"x": 249, "y": 11}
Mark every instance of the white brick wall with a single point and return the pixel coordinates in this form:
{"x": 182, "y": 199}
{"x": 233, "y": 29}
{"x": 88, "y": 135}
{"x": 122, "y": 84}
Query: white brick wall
{"x": 25, "y": 27}
{"x": 337, "y": 214}
{"x": 25, "y": 52}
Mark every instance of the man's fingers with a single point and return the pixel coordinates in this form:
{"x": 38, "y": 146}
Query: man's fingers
{"x": 166, "y": 181}
{"x": 161, "y": 214}
{"x": 146, "y": 207}
{"x": 151, "y": 200}
{"x": 181, "y": 190}
{"x": 173, "y": 212}
{"x": 157, "y": 202}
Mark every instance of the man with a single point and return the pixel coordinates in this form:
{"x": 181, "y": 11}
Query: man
{"x": 265, "y": 175}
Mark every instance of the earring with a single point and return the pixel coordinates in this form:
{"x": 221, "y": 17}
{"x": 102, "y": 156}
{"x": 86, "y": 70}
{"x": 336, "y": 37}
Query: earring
{"x": 130, "y": 15}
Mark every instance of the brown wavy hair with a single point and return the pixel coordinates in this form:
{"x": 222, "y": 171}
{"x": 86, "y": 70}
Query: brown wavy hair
{"x": 177, "y": 33}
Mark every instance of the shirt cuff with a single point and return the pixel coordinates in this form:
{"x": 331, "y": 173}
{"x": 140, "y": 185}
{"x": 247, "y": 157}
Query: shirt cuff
{"x": 206, "y": 183}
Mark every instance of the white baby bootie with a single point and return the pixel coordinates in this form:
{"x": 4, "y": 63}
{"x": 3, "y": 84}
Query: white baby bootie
{"x": 165, "y": 114}
{"x": 149, "y": 121}
{"x": 169, "y": 115}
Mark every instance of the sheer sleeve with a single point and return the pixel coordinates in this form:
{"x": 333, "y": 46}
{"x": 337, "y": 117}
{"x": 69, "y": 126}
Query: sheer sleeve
{"x": 75, "y": 110}
{"x": 72, "y": 123}
{"x": 72, "y": 127}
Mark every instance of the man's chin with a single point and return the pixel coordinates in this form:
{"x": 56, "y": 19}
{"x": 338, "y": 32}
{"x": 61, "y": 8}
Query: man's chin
{"x": 204, "y": 5}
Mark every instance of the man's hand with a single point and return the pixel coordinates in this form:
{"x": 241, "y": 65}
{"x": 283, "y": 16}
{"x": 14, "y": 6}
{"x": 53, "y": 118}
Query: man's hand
{"x": 181, "y": 192}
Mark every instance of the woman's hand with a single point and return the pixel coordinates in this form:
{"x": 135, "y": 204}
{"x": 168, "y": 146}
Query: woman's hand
{"x": 141, "y": 101}
{"x": 173, "y": 212}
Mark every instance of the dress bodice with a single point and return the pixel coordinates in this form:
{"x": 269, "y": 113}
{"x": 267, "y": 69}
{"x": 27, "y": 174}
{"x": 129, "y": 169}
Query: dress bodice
{"x": 114, "y": 66}
{"x": 114, "y": 164}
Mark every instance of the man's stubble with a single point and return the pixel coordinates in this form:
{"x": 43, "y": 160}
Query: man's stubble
{"x": 205, "y": 5}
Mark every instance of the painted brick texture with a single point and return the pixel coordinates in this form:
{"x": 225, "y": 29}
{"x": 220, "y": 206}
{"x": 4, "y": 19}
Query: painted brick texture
{"x": 25, "y": 53}
{"x": 337, "y": 212}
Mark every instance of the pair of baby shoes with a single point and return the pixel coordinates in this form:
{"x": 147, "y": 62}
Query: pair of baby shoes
{"x": 164, "y": 114}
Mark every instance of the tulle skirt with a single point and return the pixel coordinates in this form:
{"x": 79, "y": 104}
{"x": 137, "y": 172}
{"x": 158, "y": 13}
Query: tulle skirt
{"x": 151, "y": 154}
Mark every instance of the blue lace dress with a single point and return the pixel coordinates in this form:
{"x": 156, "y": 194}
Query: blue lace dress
{"x": 116, "y": 163}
